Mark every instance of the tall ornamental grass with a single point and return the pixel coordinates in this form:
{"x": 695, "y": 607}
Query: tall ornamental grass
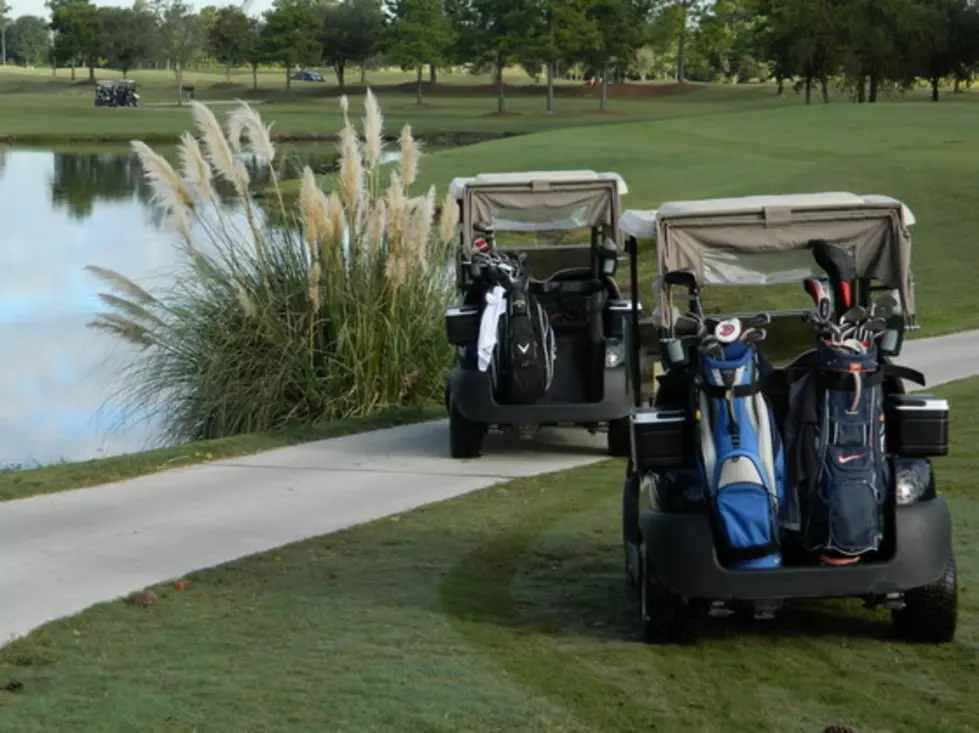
{"x": 264, "y": 327}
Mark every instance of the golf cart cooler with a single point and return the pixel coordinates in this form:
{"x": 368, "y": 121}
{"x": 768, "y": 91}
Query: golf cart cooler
{"x": 462, "y": 325}
{"x": 916, "y": 425}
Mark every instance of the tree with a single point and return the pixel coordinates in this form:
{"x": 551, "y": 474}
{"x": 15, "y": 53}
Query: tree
{"x": 680, "y": 14}
{"x": 253, "y": 50}
{"x": 947, "y": 42}
{"x": 128, "y": 37}
{"x": 180, "y": 37}
{"x": 879, "y": 34}
{"x": 351, "y": 33}
{"x": 420, "y": 34}
{"x": 290, "y": 35}
{"x": 78, "y": 33}
{"x": 563, "y": 31}
{"x": 27, "y": 40}
{"x": 229, "y": 37}
{"x": 621, "y": 31}
{"x": 4, "y": 25}
{"x": 493, "y": 33}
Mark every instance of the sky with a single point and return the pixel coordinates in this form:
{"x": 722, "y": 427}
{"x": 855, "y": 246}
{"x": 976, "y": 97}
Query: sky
{"x": 36, "y": 7}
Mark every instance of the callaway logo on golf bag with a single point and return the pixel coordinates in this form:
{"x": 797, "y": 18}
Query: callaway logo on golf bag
{"x": 741, "y": 451}
{"x": 530, "y": 344}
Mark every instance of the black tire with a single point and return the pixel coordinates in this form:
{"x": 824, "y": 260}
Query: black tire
{"x": 630, "y": 526}
{"x": 664, "y": 616}
{"x": 465, "y": 436}
{"x": 619, "y": 440}
{"x": 930, "y": 613}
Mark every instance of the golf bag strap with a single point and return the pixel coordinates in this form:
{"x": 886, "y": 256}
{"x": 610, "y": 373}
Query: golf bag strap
{"x": 903, "y": 372}
{"x": 843, "y": 381}
{"x": 742, "y": 390}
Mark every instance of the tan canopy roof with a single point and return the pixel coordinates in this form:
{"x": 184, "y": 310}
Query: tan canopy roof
{"x": 733, "y": 241}
{"x": 539, "y": 201}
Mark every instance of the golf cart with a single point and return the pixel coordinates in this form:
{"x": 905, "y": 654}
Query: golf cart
{"x": 752, "y": 483}
{"x": 116, "y": 94}
{"x": 540, "y": 326}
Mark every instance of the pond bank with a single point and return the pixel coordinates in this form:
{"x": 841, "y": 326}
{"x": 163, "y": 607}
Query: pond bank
{"x": 46, "y": 140}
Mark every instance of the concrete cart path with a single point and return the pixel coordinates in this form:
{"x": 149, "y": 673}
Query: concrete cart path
{"x": 63, "y": 552}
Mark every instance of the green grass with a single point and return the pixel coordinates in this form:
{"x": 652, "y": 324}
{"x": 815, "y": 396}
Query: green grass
{"x": 926, "y": 155}
{"x": 64, "y": 476}
{"x": 503, "y": 610}
{"x": 40, "y": 109}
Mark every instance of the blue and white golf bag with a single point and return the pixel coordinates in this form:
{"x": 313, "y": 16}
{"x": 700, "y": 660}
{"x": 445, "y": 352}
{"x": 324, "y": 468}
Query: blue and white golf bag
{"x": 742, "y": 459}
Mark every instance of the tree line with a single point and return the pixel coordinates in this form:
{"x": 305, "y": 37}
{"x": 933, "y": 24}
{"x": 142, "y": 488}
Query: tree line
{"x": 862, "y": 46}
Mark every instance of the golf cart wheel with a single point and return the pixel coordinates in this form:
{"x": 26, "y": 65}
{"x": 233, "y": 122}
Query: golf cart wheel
{"x": 465, "y": 436}
{"x": 630, "y": 529}
{"x": 619, "y": 441}
{"x": 930, "y": 613}
{"x": 664, "y": 615}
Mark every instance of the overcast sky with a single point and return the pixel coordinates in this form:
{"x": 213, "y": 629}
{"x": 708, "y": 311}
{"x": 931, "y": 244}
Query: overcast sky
{"x": 36, "y": 7}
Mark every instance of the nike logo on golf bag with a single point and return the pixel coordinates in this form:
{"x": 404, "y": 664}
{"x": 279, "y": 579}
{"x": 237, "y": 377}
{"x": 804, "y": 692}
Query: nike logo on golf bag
{"x": 523, "y": 349}
{"x": 847, "y": 459}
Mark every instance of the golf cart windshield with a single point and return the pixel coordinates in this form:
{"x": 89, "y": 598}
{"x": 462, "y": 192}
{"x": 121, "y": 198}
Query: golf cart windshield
{"x": 764, "y": 240}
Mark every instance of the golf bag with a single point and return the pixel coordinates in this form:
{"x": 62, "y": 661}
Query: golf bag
{"x": 839, "y": 466}
{"x": 741, "y": 459}
{"x": 529, "y": 346}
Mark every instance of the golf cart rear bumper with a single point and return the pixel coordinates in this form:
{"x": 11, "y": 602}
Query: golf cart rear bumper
{"x": 472, "y": 392}
{"x": 681, "y": 550}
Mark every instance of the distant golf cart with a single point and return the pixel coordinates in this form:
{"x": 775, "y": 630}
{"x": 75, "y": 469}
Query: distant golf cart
{"x": 116, "y": 94}
{"x": 540, "y": 327}
{"x": 751, "y": 484}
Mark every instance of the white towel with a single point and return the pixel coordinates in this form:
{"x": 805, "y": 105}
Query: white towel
{"x": 489, "y": 325}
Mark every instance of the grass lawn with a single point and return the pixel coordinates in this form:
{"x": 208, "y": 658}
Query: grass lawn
{"x": 63, "y": 476}
{"x": 925, "y": 155}
{"x": 43, "y": 109}
{"x": 504, "y": 610}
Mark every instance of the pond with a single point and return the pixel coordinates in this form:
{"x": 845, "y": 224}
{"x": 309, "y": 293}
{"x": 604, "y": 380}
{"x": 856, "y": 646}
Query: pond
{"x": 61, "y": 211}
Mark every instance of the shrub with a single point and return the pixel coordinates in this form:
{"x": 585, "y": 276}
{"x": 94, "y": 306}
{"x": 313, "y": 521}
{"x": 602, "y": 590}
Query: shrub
{"x": 336, "y": 314}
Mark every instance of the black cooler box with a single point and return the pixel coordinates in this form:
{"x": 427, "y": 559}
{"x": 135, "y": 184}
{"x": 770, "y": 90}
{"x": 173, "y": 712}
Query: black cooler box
{"x": 916, "y": 425}
{"x": 661, "y": 438}
{"x": 462, "y": 324}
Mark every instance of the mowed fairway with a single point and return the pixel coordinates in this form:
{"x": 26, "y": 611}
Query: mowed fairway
{"x": 38, "y": 108}
{"x": 503, "y": 611}
{"x": 926, "y": 155}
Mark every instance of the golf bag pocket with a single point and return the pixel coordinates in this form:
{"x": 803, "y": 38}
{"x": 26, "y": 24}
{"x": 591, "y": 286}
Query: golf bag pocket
{"x": 530, "y": 349}
{"x": 852, "y": 502}
{"x": 744, "y": 517}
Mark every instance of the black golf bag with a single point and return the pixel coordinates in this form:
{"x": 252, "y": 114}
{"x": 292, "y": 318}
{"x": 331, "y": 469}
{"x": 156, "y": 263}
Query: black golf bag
{"x": 528, "y": 346}
{"x": 522, "y": 359}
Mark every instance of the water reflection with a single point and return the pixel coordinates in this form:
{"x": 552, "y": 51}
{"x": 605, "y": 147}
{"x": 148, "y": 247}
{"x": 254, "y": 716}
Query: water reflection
{"x": 59, "y": 212}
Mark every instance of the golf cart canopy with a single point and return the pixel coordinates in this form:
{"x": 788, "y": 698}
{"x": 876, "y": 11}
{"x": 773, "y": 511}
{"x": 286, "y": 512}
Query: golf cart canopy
{"x": 539, "y": 200}
{"x": 764, "y": 240}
